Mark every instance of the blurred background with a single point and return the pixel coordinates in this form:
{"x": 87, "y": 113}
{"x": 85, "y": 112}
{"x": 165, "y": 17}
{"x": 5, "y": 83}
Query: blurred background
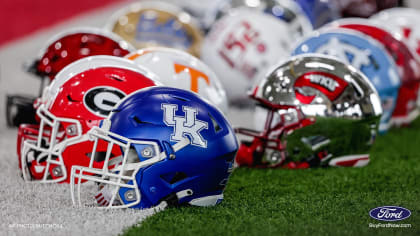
{"x": 27, "y": 25}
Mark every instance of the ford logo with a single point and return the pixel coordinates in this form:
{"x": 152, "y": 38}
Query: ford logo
{"x": 390, "y": 213}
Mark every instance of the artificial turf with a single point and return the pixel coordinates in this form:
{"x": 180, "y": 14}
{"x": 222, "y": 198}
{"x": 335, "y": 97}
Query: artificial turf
{"x": 327, "y": 201}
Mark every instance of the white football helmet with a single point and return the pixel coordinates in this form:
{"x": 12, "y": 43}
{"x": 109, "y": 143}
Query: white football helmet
{"x": 402, "y": 23}
{"x": 242, "y": 45}
{"x": 179, "y": 69}
{"x": 287, "y": 11}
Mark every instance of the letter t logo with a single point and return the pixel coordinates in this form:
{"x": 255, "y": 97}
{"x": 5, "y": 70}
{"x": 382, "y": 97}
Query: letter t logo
{"x": 194, "y": 75}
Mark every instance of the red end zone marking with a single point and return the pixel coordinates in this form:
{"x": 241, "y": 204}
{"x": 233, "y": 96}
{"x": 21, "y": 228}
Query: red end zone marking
{"x": 21, "y": 17}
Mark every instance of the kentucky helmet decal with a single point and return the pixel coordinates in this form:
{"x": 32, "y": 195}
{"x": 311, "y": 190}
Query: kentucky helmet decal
{"x": 188, "y": 125}
{"x": 364, "y": 54}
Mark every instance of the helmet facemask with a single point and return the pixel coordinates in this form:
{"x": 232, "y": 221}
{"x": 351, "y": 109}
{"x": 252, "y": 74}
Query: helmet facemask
{"x": 116, "y": 180}
{"x": 41, "y": 157}
{"x": 270, "y": 144}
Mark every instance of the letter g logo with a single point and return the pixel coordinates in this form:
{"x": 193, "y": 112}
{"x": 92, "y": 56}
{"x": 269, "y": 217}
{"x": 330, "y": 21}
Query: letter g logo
{"x": 101, "y": 100}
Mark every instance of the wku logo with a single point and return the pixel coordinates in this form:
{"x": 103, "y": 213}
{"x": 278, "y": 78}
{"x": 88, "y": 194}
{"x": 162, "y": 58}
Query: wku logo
{"x": 336, "y": 48}
{"x": 330, "y": 85}
{"x": 187, "y": 125}
{"x": 195, "y": 75}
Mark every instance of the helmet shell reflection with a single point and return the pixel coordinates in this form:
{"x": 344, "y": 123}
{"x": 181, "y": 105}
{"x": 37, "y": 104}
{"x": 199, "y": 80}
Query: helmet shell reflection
{"x": 320, "y": 111}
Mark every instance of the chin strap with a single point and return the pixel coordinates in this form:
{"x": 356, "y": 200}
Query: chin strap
{"x": 172, "y": 200}
{"x": 162, "y": 206}
{"x": 320, "y": 159}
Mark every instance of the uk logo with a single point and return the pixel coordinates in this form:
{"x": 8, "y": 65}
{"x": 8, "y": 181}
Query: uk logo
{"x": 184, "y": 126}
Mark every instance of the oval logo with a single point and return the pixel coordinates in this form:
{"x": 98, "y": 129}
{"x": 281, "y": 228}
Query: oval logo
{"x": 390, "y": 213}
{"x": 101, "y": 100}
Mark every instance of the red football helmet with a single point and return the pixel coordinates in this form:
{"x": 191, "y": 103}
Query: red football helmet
{"x": 61, "y": 50}
{"x": 74, "y": 44}
{"x": 406, "y": 109}
{"x": 81, "y": 95}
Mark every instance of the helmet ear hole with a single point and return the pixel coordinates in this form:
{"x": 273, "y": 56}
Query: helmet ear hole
{"x": 70, "y": 99}
{"x": 229, "y": 156}
{"x": 216, "y": 125}
{"x": 99, "y": 156}
{"x": 179, "y": 98}
{"x": 172, "y": 178}
{"x": 114, "y": 77}
{"x": 55, "y": 58}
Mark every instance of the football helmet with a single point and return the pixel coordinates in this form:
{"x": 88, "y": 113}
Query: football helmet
{"x": 198, "y": 9}
{"x": 183, "y": 71}
{"x": 319, "y": 12}
{"x": 363, "y": 8}
{"x": 366, "y": 55}
{"x": 156, "y": 23}
{"x": 286, "y": 10}
{"x": 327, "y": 115}
{"x": 402, "y": 23}
{"x": 241, "y": 46}
{"x": 82, "y": 94}
{"x": 406, "y": 109}
{"x": 61, "y": 50}
{"x": 176, "y": 148}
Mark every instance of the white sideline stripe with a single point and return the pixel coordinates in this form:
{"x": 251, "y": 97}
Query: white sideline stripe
{"x": 25, "y": 203}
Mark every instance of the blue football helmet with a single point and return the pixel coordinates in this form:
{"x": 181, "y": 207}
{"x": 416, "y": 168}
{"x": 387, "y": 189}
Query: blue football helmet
{"x": 366, "y": 55}
{"x": 320, "y": 12}
{"x": 176, "y": 149}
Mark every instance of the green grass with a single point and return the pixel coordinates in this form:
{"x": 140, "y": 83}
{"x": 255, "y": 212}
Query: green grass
{"x": 334, "y": 201}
